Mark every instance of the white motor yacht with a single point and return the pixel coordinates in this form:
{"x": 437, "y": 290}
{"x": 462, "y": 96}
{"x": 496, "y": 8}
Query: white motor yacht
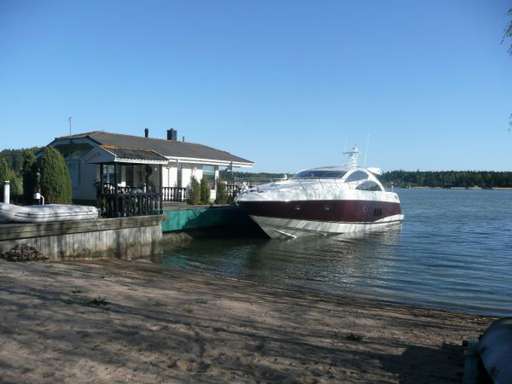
{"x": 326, "y": 200}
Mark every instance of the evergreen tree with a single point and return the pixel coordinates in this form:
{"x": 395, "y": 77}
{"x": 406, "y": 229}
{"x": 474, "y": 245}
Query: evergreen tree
{"x": 16, "y": 188}
{"x": 205, "y": 191}
{"x": 194, "y": 192}
{"x": 14, "y": 157}
{"x": 55, "y": 179}
{"x": 222, "y": 195}
{"x": 29, "y": 171}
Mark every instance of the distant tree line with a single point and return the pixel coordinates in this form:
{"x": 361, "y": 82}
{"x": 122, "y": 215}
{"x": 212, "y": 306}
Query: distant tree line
{"x": 448, "y": 179}
{"x": 434, "y": 179}
{"x": 15, "y": 157}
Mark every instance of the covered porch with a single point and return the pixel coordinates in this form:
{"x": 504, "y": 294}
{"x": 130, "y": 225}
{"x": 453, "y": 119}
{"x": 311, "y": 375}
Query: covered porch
{"x": 132, "y": 182}
{"x": 129, "y": 182}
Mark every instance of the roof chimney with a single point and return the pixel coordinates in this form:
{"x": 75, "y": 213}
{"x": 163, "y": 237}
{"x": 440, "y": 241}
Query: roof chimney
{"x": 172, "y": 134}
{"x": 146, "y": 132}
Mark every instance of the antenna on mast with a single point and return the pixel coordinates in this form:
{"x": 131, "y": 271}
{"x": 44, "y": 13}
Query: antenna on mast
{"x": 69, "y": 122}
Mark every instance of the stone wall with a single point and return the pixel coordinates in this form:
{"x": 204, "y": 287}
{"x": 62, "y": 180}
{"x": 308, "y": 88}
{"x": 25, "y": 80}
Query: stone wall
{"x": 126, "y": 238}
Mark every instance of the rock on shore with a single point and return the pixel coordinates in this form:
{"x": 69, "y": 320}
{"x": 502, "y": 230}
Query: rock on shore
{"x": 23, "y": 252}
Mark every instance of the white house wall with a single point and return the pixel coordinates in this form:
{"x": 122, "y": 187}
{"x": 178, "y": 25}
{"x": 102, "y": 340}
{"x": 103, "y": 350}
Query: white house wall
{"x": 197, "y": 173}
{"x": 170, "y": 176}
{"x": 187, "y": 172}
{"x": 165, "y": 177}
{"x": 186, "y": 176}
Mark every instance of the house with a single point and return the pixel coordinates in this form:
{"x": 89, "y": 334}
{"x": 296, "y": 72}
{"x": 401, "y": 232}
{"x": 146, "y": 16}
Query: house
{"x": 98, "y": 160}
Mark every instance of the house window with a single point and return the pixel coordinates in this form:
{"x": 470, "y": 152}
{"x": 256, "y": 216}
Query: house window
{"x": 130, "y": 177}
{"x": 109, "y": 174}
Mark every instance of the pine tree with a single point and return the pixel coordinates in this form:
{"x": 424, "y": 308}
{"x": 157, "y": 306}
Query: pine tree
{"x": 194, "y": 192}
{"x": 29, "y": 171}
{"x": 222, "y": 195}
{"x": 205, "y": 191}
{"x": 55, "y": 179}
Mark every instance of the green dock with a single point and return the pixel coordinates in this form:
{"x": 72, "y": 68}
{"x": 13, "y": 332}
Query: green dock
{"x": 184, "y": 218}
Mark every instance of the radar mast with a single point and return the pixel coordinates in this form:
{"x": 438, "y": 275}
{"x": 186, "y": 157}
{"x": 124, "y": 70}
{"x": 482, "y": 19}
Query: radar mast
{"x": 353, "y": 156}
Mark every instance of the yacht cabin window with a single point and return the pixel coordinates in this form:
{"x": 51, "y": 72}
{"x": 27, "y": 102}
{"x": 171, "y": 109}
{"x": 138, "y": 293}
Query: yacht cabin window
{"x": 369, "y": 186}
{"x": 357, "y": 176}
{"x": 320, "y": 174}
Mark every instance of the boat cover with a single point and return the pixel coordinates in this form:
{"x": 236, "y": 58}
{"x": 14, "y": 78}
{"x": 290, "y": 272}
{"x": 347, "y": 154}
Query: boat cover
{"x": 45, "y": 213}
{"x": 495, "y": 349}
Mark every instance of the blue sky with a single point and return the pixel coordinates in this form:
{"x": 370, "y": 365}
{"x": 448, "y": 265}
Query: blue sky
{"x": 287, "y": 84}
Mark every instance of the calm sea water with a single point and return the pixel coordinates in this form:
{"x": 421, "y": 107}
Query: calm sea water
{"x": 453, "y": 251}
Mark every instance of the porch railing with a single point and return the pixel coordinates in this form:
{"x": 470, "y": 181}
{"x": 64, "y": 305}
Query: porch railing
{"x": 129, "y": 204}
{"x": 132, "y": 201}
{"x": 175, "y": 194}
{"x": 233, "y": 190}
{"x": 109, "y": 188}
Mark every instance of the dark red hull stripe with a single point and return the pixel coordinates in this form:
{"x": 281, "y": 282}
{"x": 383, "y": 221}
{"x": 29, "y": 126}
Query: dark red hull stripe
{"x": 323, "y": 210}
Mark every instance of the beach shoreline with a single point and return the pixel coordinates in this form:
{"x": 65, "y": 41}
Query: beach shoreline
{"x": 119, "y": 321}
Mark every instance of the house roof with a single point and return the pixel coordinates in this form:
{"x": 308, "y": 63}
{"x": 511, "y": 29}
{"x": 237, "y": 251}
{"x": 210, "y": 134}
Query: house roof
{"x": 134, "y": 154}
{"x": 169, "y": 148}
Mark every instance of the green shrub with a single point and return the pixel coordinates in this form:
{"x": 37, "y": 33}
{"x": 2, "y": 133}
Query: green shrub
{"x": 55, "y": 179}
{"x": 17, "y": 188}
{"x": 195, "y": 192}
{"x": 222, "y": 193}
{"x": 205, "y": 191}
{"x": 6, "y": 172}
{"x": 29, "y": 171}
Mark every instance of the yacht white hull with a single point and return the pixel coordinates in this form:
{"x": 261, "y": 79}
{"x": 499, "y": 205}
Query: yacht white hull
{"x": 284, "y": 228}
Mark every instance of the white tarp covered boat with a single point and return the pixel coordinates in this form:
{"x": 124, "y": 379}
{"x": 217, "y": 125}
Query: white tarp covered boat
{"x": 45, "y": 213}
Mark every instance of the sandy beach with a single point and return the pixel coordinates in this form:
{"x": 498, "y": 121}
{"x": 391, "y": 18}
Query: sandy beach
{"x": 118, "y": 322}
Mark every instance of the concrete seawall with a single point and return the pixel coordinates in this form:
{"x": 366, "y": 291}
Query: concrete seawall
{"x": 124, "y": 238}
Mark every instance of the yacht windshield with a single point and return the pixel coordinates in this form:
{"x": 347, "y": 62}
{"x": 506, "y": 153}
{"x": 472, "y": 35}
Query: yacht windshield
{"x": 320, "y": 174}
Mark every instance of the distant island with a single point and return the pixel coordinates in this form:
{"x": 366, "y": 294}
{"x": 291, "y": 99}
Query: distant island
{"x": 448, "y": 179}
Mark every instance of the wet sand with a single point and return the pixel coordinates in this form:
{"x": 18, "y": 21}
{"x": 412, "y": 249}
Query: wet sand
{"x": 115, "y": 321}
